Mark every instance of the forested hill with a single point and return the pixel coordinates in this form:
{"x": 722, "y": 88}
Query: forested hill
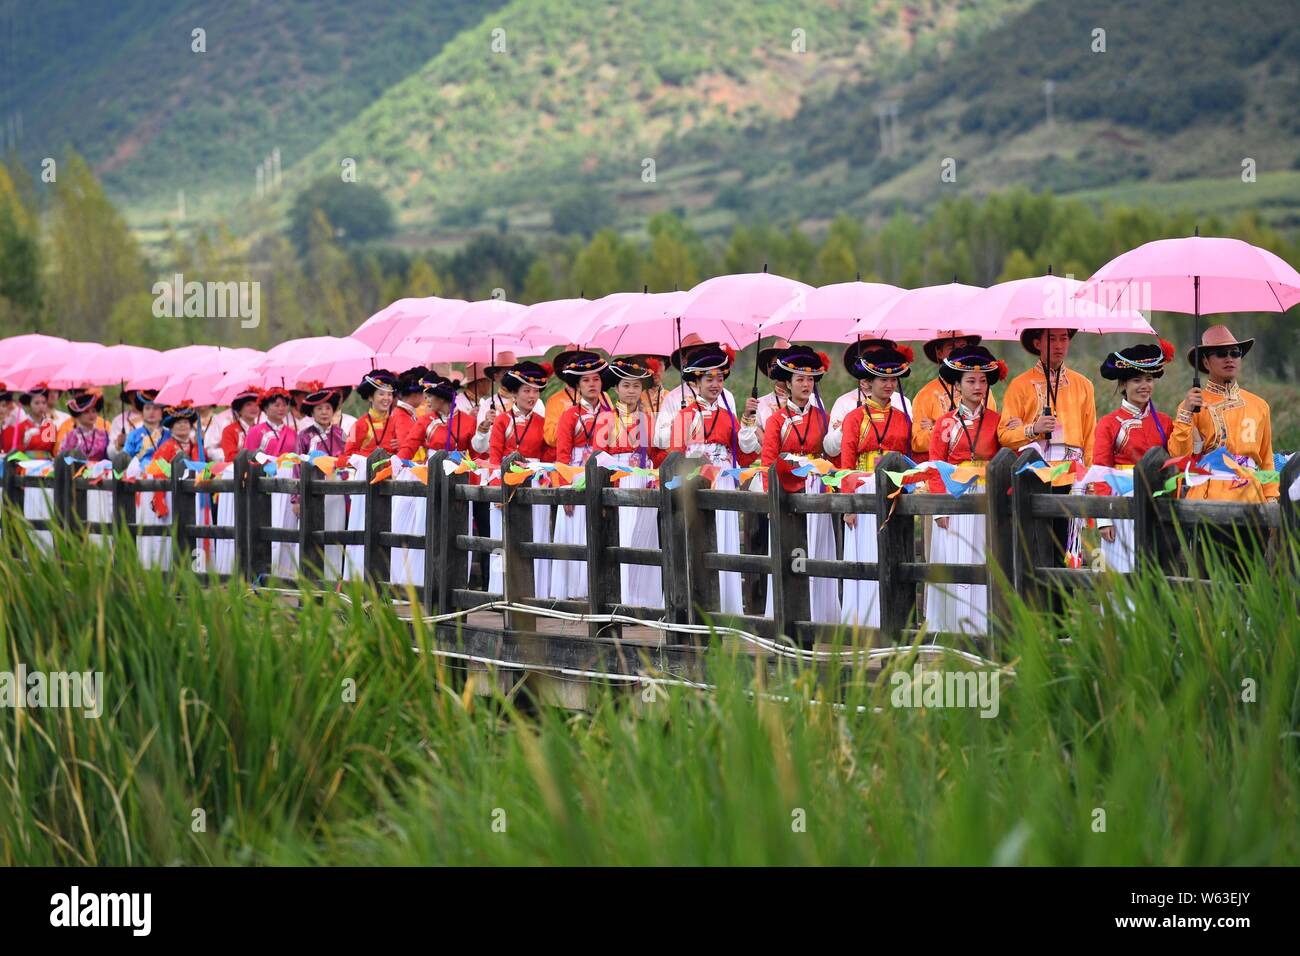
{"x": 472, "y": 114}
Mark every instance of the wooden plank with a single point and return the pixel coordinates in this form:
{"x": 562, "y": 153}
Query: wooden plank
{"x": 377, "y": 559}
{"x": 602, "y": 533}
{"x": 1081, "y": 506}
{"x": 701, "y": 538}
{"x": 311, "y": 521}
{"x": 1031, "y": 546}
{"x": 1153, "y": 539}
{"x": 184, "y": 515}
{"x": 999, "y": 541}
{"x": 453, "y": 566}
{"x": 259, "y": 519}
{"x": 709, "y": 499}
{"x": 517, "y": 570}
{"x": 672, "y": 540}
{"x": 432, "y": 594}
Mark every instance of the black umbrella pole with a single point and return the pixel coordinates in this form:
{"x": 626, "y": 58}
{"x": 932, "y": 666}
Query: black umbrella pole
{"x": 1196, "y": 335}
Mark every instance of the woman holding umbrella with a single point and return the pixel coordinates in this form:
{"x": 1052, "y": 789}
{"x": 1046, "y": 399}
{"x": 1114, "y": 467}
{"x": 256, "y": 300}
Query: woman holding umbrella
{"x": 798, "y": 427}
{"x": 323, "y": 437}
{"x": 372, "y": 430}
{"x": 1129, "y": 432}
{"x": 245, "y": 412}
{"x": 582, "y": 371}
{"x": 870, "y": 430}
{"x": 967, "y": 435}
{"x": 181, "y": 445}
{"x": 87, "y": 441}
{"x": 275, "y": 437}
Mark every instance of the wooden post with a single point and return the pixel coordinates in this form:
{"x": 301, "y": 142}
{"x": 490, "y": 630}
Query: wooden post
{"x": 13, "y": 492}
{"x": 672, "y": 540}
{"x": 311, "y": 519}
{"x": 432, "y": 533}
{"x": 603, "y": 578}
{"x": 1289, "y": 533}
{"x": 184, "y": 513}
{"x": 1033, "y": 545}
{"x": 379, "y": 518}
{"x": 62, "y": 491}
{"x": 257, "y": 550}
{"x": 240, "y": 474}
{"x": 453, "y": 565}
{"x": 791, "y": 597}
{"x": 1153, "y": 539}
{"x": 700, "y": 536}
{"x": 518, "y": 579}
{"x": 999, "y": 540}
{"x": 895, "y": 545}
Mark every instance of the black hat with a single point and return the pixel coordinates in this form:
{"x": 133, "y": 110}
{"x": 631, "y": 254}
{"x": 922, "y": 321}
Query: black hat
{"x": 1148, "y": 358}
{"x": 83, "y": 400}
{"x": 323, "y": 396}
{"x": 142, "y": 397}
{"x": 571, "y": 366}
{"x": 854, "y": 350}
{"x": 243, "y": 398}
{"x": 881, "y": 362}
{"x": 625, "y": 367}
{"x": 975, "y": 358}
{"x": 798, "y": 360}
{"x": 765, "y": 356}
{"x": 526, "y": 373}
{"x": 412, "y": 380}
{"x": 40, "y": 389}
{"x": 931, "y": 348}
{"x": 379, "y": 379}
{"x": 694, "y": 360}
{"x": 1028, "y": 335}
{"x": 182, "y": 412}
{"x": 439, "y": 386}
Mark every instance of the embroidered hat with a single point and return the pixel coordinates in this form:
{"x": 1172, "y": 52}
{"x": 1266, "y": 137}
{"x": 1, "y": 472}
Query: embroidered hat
{"x": 975, "y": 358}
{"x": 83, "y": 400}
{"x": 798, "y": 360}
{"x": 380, "y": 380}
{"x": 694, "y": 360}
{"x": 882, "y": 362}
{"x": 1144, "y": 359}
{"x": 624, "y": 367}
{"x": 184, "y": 412}
{"x": 574, "y": 364}
{"x": 526, "y": 373}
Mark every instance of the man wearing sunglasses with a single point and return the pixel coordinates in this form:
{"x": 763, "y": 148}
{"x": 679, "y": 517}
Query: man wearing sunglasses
{"x": 1226, "y": 416}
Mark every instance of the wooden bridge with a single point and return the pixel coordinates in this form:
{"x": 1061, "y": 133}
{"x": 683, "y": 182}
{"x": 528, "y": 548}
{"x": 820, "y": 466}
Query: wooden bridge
{"x": 517, "y": 629}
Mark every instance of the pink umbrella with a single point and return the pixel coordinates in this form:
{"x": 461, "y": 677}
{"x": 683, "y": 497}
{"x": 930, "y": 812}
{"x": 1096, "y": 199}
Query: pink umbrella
{"x": 41, "y": 365}
{"x": 554, "y": 314}
{"x": 380, "y": 326}
{"x": 731, "y": 308}
{"x": 200, "y": 386}
{"x": 630, "y": 323}
{"x": 17, "y": 348}
{"x": 1048, "y": 302}
{"x": 1198, "y": 275}
{"x": 115, "y": 365}
{"x": 827, "y": 314}
{"x": 347, "y": 369}
{"x": 181, "y": 359}
{"x": 485, "y": 317}
{"x": 917, "y": 312}
{"x": 284, "y": 365}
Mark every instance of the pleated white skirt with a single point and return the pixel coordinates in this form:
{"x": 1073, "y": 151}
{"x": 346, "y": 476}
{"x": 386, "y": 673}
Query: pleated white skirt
{"x": 861, "y": 603}
{"x": 957, "y": 608}
{"x": 541, "y": 566}
{"x": 823, "y": 593}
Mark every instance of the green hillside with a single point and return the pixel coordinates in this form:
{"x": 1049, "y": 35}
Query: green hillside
{"x": 121, "y": 83}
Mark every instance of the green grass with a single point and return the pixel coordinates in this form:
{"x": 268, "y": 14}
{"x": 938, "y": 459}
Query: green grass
{"x": 229, "y": 702}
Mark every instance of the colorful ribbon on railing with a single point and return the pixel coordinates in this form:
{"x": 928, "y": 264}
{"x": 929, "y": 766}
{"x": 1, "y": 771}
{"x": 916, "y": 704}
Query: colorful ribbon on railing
{"x": 1216, "y": 465}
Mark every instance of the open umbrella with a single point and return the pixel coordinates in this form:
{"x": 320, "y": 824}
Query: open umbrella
{"x": 398, "y": 318}
{"x": 170, "y": 362}
{"x": 116, "y": 364}
{"x": 17, "y": 348}
{"x": 199, "y": 385}
{"x": 1198, "y": 275}
{"x": 827, "y": 314}
{"x": 917, "y": 312}
{"x": 40, "y": 365}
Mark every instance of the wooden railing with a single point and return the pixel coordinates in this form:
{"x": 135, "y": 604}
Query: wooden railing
{"x": 1021, "y": 553}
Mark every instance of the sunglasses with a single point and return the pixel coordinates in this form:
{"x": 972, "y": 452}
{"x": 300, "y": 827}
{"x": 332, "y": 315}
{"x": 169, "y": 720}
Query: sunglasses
{"x": 1232, "y": 352}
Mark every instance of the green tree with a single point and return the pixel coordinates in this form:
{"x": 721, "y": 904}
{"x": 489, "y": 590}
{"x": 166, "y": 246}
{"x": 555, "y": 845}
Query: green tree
{"x": 94, "y": 260}
{"x": 357, "y": 212}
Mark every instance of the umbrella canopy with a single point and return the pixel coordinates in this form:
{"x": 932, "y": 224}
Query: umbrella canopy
{"x": 827, "y": 314}
{"x": 731, "y": 308}
{"x": 1047, "y": 302}
{"x": 170, "y": 362}
{"x": 17, "y": 348}
{"x": 200, "y": 385}
{"x": 922, "y": 313}
{"x": 630, "y": 323}
{"x": 1199, "y": 275}
{"x": 547, "y": 316}
{"x": 42, "y": 364}
{"x": 115, "y": 364}
{"x": 399, "y": 318}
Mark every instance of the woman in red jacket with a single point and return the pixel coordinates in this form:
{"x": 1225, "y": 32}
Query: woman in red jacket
{"x": 623, "y": 436}
{"x": 797, "y": 426}
{"x": 521, "y": 428}
{"x": 1129, "y": 432}
{"x": 966, "y": 435}
{"x": 574, "y": 444}
{"x": 181, "y": 445}
{"x": 371, "y": 431}
{"x": 873, "y": 428}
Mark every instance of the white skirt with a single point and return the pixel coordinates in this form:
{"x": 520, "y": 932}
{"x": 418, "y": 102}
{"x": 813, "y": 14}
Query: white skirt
{"x": 1118, "y": 554}
{"x": 861, "y": 605}
{"x": 541, "y": 566}
{"x": 957, "y": 608}
{"x": 409, "y": 516}
{"x": 38, "y": 503}
{"x": 730, "y": 591}
{"x": 155, "y": 550}
{"x": 641, "y": 584}
{"x": 99, "y": 507}
{"x": 354, "y": 558}
{"x": 335, "y": 519}
{"x": 223, "y": 552}
{"x": 823, "y": 593}
{"x": 568, "y": 579}
{"x": 284, "y": 556}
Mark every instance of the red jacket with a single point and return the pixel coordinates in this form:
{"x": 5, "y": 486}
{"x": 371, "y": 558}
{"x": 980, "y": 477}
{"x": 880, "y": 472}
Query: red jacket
{"x": 369, "y": 433}
{"x": 886, "y": 430}
{"x": 511, "y": 434}
{"x": 576, "y": 429}
{"x": 950, "y": 443}
{"x": 1122, "y": 438}
{"x": 430, "y": 432}
{"x": 798, "y": 434}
